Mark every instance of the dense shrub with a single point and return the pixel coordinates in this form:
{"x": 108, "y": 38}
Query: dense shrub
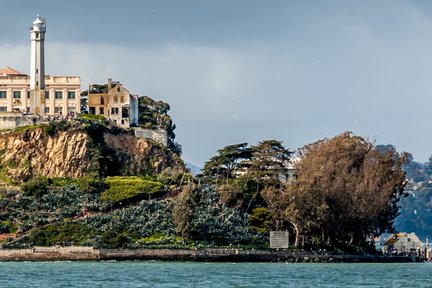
{"x": 100, "y": 118}
{"x": 58, "y": 125}
{"x": 60, "y": 234}
{"x": 36, "y": 186}
{"x": 261, "y": 220}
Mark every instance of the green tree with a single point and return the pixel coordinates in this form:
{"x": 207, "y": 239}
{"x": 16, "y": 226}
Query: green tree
{"x": 269, "y": 162}
{"x": 268, "y": 167}
{"x": 346, "y": 190}
{"x": 227, "y": 161}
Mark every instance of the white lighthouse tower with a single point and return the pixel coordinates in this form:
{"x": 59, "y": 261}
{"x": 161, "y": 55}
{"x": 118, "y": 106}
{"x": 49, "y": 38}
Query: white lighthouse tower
{"x": 37, "y": 66}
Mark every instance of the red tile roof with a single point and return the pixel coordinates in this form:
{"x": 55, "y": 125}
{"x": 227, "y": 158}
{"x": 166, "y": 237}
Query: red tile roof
{"x": 10, "y": 72}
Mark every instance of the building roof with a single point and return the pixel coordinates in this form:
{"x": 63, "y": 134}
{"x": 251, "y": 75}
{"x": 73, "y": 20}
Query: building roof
{"x": 10, "y": 72}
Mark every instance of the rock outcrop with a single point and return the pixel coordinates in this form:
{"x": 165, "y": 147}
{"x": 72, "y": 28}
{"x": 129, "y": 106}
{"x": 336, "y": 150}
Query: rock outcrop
{"x": 71, "y": 153}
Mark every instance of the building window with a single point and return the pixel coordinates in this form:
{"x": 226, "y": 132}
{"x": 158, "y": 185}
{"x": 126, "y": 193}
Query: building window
{"x": 71, "y": 94}
{"x": 3, "y": 94}
{"x": 28, "y": 94}
{"x": 114, "y": 110}
{"x": 125, "y": 112}
{"x": 101, "y": 111}
{"x": 28, "y": 110}
{"x": 115, "y": 99}
{"x": 92, "y": 110}
{"x": 47, "y": 110}
{"x": 58, "y": 95}
{"x": 47, "y": 94}
{"x": 3, "y": 109}
{"x": 17, "y": 94}
{"x": 102, "y": 100}
{"x": 58, "y": 110}
{"x": 122, "y": 99}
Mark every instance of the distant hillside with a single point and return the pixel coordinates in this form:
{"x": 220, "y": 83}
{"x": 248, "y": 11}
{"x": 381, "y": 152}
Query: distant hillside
{"x": 195, "y": 170}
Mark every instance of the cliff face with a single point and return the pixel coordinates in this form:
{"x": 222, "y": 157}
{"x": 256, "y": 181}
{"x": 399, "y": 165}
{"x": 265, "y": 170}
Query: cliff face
{"x": 74, "y": 153}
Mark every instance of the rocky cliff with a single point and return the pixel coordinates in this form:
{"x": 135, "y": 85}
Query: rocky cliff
{"x": 75, "y": 152}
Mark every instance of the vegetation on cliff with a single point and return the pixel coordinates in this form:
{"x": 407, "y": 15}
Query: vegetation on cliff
{"x": 343, "y": 191}
{"x": 86, "y": 182}
{"x": 154, "y": 115}
{"x": 76, "y": 147}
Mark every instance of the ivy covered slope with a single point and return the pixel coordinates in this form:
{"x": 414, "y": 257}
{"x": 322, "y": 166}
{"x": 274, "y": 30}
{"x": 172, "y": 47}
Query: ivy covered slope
{"x": 337, "y": 194}
{"x": 84, "y": 182}
{"x": 130, "y": 212}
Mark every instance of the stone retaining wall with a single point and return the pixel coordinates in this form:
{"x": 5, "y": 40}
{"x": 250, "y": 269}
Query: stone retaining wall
{"x": 50, "y": 254}
{"x": 211, "y": 255}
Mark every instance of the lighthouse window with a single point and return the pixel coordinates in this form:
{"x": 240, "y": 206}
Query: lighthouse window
{"x": 17, "y": 94}
{"x": 2, "y": 94}
{"x": 58, "y": 95}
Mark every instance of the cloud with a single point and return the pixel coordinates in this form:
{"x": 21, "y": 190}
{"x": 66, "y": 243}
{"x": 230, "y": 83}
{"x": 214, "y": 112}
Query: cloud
{"x": 295, "y": 73}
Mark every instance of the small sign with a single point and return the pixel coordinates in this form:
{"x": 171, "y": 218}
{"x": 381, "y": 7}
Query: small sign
{"x": 279, "y": 239}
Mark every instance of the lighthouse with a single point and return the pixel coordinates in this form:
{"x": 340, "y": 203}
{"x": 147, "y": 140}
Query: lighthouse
{"x": 37, "y": 66}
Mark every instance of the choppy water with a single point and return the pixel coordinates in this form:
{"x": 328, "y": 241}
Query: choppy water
{"x": 191, "y": 274}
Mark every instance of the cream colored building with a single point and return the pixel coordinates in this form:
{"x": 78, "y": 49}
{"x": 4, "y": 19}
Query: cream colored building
{"x": 60, "y": 98}
{"x": 28, "y": 99}
{"x": 114, "y": 102}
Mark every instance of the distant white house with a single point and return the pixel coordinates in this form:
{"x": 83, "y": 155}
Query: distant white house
{"x": 402, "y": 243}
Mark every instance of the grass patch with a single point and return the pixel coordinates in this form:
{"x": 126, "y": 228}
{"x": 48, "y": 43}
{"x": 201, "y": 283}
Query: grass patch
{"x": 26, "y": 128}
{"x": 126, "y": 188}
{"x": 92, "y": 117}
{"x": 7, "y": 180}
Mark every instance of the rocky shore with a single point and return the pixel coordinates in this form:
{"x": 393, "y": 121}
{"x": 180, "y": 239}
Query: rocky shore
{"x": 205, "y": 255}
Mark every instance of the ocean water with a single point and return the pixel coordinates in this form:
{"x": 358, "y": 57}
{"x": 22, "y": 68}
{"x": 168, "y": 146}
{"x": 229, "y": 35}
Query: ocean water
{"x": 192, "y": 274}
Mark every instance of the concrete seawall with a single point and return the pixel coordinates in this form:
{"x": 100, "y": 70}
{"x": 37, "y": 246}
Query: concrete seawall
{"x": 50, "y": 254}
{"x": 211, "y": 255}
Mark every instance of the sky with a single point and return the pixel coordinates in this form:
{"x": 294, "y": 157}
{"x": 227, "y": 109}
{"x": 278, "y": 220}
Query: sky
{"x": 237, "y": 71}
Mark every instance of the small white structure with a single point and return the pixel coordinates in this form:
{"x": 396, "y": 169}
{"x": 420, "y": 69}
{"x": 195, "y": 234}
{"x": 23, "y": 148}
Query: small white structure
{"x": 402, "y": 243}
{"x": 158, "y": 135}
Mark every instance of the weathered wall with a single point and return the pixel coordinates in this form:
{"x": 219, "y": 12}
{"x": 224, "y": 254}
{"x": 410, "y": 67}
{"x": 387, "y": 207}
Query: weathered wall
{"x": 50, "y": 254}
{"x": 157, "y": 135}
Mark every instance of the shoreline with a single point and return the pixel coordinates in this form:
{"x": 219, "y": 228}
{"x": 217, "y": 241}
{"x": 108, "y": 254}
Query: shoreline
{"x": 75, "y": 253}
